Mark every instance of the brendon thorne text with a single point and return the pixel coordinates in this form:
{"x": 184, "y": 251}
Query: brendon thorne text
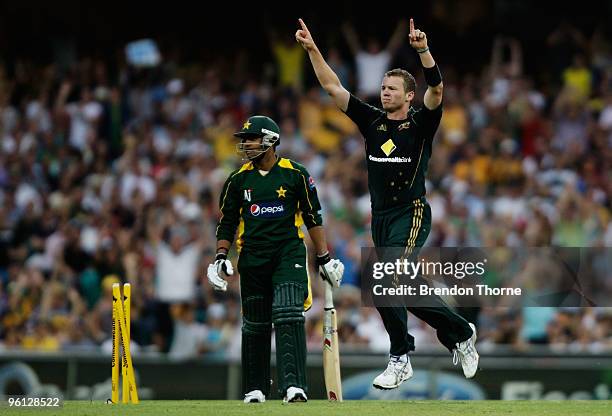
{"x": 426, "y": 290}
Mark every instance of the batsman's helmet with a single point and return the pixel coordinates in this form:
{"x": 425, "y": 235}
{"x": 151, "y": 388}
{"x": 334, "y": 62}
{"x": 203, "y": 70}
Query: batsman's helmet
{"x": 258, "y": 126}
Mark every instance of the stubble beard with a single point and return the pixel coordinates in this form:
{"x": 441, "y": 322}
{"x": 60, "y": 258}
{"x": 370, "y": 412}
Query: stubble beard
{"x": 391, "y": 108}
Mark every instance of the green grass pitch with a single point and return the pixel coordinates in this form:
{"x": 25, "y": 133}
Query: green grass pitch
{"x": 320, "y": 407}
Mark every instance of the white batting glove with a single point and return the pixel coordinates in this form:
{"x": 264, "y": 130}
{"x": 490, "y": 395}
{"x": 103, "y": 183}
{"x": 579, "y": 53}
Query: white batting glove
{"x": 330, "y": 269}
{"x": 218, "y": 271}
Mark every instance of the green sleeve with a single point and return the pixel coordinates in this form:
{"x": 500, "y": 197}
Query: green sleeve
{"x": 308, "y": 198}
{"x": 229, "y": 205}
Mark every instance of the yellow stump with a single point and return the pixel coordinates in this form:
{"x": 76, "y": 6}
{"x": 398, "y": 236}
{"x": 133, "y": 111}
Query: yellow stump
{"x": 115, "y": 364}
{"x": 127, "y": 295}
{"x": 121, "y": 311}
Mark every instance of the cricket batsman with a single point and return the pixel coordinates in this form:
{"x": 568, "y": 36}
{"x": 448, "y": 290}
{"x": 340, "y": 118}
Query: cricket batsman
{"x": 399, "y": 142}
{"x": 267, "y": 201}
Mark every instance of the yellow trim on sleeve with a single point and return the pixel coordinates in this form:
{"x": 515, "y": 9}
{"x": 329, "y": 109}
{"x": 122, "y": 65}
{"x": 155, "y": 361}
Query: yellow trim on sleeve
{"x": 239, "y": 241}
{"x": 299, "y": 221}
{"x": 308, "y": 301}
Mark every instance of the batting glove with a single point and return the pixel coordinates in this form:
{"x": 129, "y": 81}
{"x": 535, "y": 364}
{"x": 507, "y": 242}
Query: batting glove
{"x": 330, "y": 270}
{"x": 221, "y": 268}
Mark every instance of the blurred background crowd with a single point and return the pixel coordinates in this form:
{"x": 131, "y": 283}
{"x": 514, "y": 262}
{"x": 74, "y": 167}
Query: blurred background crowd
{"x": 111, "y": 172}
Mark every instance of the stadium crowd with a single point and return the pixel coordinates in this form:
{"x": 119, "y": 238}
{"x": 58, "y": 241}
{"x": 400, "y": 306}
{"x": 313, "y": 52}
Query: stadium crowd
{"x": 112, "y": 173}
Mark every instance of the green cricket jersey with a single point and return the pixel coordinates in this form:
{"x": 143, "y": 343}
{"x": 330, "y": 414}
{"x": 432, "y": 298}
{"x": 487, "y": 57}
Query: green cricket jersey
{"x": 268, "y": 210}
{"x": 397, "y": 152}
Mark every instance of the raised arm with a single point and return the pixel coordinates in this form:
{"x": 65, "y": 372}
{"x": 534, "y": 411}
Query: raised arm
{"x": 62, "y": 96}
{"x": 433, "y": 95}
{"x": 496, "y": 57}
{"x": 398, "y": 36}
{"x": 326, "y": 76}
{"x": 351, "y": 38}
{"x": 516, "y": 58}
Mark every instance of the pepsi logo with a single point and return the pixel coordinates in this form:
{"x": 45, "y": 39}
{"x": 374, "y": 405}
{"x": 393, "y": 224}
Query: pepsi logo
{"x": 267, "y": 210}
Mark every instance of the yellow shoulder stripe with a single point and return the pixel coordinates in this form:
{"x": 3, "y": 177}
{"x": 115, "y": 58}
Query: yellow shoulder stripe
{"x": 246, "y": 166}
{"x": 285, "y": 163}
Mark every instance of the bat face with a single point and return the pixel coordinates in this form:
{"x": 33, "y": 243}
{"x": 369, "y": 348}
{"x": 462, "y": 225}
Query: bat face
{"x": 331, "y": 356}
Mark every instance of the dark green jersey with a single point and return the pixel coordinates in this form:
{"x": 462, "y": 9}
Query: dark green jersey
{"x": 268, "y": 210}
{"x": 397, "y": 152}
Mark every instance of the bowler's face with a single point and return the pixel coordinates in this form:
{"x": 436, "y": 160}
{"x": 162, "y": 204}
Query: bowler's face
{"x": 392, "y": 94}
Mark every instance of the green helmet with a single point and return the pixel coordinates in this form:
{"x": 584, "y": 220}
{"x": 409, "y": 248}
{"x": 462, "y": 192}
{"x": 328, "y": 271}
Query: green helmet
{"x": 259, "y": 126}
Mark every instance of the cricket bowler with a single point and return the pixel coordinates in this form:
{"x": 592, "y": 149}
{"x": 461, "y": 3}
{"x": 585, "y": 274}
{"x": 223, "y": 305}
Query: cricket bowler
{"x": 398, "y": 142}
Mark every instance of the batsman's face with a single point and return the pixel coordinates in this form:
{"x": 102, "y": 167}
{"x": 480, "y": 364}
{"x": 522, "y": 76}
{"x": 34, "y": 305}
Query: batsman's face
{"x": 392, "y": 94}
{"x": 251, "y": 146}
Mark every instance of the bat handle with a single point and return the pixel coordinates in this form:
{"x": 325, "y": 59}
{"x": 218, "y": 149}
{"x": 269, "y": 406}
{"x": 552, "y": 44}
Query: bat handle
{"x": 329, "y": 296}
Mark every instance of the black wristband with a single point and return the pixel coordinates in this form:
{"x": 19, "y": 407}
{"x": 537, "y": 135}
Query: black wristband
{"x": 324, "y": 259}
{"x": 433, "y": 77}
{"x": 221, "y": 256}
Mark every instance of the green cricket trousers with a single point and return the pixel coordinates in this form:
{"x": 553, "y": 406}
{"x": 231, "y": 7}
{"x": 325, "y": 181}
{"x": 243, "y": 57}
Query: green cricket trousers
{"x": 409, "y": 226}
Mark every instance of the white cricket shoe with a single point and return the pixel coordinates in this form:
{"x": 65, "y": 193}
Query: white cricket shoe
{"x": 396, "y": 373}
{"x": 295, "y": 395}
{"x": 466, "y": 354}
{"x": 255, "y": 396}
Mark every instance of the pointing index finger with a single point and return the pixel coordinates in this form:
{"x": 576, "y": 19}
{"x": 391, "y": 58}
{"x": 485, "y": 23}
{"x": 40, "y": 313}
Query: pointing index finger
{"x": 411, "y": 27}
{"x": 303, "y": 24}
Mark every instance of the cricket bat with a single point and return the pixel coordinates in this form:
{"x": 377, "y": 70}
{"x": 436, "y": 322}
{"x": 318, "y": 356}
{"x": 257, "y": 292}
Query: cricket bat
{"x": 331, "y": 354}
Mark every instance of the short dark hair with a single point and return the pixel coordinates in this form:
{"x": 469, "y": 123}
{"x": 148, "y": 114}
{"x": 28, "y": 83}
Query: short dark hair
{"x": 409, "y": 81}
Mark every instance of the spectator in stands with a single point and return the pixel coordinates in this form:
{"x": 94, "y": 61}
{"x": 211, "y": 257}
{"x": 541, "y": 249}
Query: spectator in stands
{"x": 372, "y": 61}
{"x": 87, "y": 178}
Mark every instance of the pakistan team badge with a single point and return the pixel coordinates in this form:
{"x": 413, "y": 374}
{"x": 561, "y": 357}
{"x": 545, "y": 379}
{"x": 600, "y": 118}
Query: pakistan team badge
{"x": 388, "y": 147}
{"x": 281, "y": 192}
{"x": 247, "y": 195}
